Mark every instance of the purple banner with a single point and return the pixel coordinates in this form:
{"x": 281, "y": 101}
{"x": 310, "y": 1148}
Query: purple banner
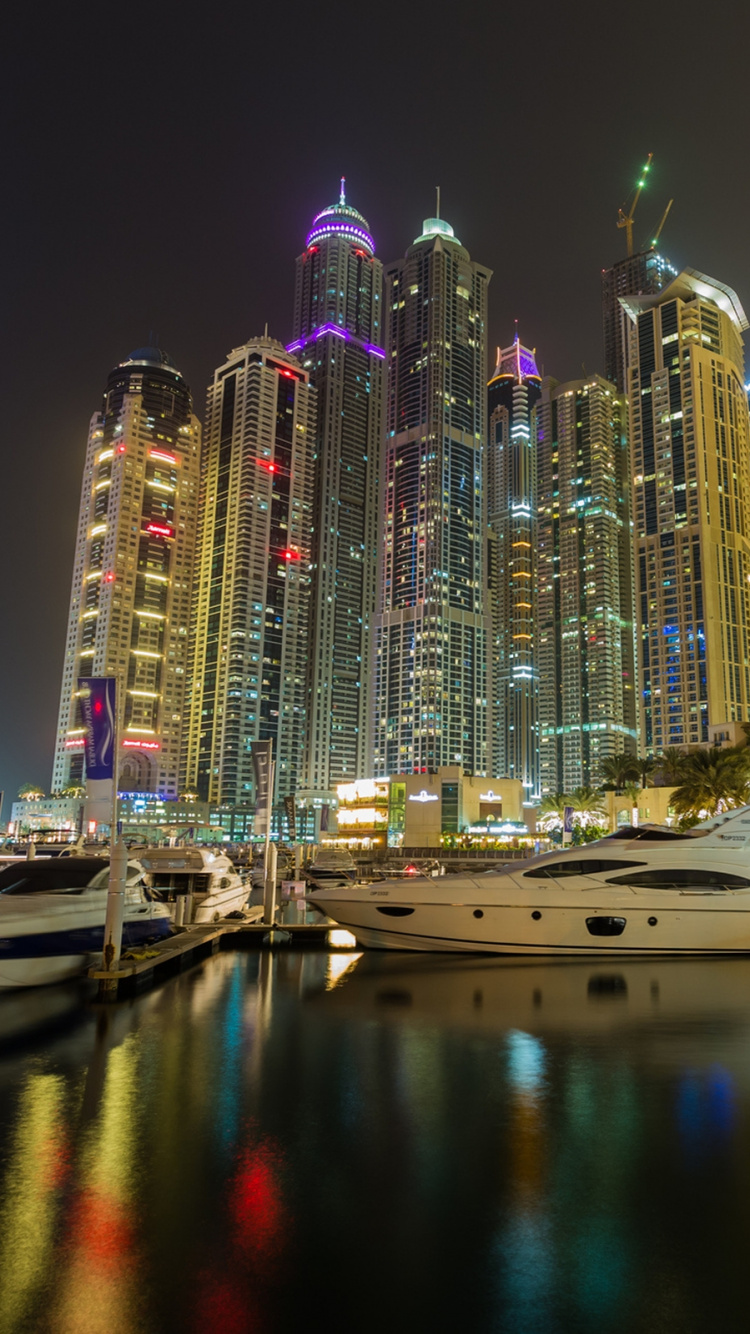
{"x": 98, "y": 705}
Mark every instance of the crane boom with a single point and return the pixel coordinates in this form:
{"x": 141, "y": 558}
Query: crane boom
{"x": 626, "y": 219}
{"x": 659, "y": 229}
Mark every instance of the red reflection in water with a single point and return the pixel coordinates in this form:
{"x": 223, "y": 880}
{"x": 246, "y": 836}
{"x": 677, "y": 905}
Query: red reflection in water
{"x": 258, "y": 1221}
{"x": 101, "y": 1229}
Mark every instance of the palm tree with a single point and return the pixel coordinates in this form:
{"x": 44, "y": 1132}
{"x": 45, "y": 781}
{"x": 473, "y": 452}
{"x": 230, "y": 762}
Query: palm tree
{"x": 617, "y": 770}
{"x": 645, "y": 768}
{"x": 552, "y": 810}
{"x": 670, "y": 764}
{"x": 30, "y": 792}
{"x": 588, "y": 804}
{"x": 713, "y": 780}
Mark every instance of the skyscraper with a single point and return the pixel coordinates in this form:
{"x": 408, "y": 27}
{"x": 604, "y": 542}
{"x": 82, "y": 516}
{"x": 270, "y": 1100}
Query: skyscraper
{"x": 433, "y": 631}
{"x": 634, "y": 275}
{"x": 251, "y": 622}
{"x": 513, "y": 390}
{"x": 689, "y": 430}
{"x": 337, "y": 338}
{"x": 585, "y": 647}
{"x": 133, "y": 572}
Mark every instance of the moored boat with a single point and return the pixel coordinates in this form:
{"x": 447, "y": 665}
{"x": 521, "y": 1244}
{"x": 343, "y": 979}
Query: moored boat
{"x": 197, "y": 885}
{"x": 648, "y": 890}
{"x": 52, "y": 914}
{"x": 332, "y": 867}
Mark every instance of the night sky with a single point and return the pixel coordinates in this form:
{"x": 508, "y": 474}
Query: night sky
{"x": 162, "y": 164}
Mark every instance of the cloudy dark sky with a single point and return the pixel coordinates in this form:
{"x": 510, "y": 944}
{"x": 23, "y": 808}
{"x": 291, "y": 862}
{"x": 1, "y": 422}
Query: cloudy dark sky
{"x": 161, "y": 165}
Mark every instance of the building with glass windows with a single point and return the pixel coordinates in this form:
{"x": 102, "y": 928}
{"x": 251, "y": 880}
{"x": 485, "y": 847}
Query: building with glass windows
{"x": 513, "y": 390}
{"x": 585, "y": 642}
{"x": 133, "y": 572}
{"x": 338, "y": 326}
{"x": 689, "y": 433}
{"x": 433, "y": 631}
{"x": 251, "y": 619}
{"x": 634, "y": 275}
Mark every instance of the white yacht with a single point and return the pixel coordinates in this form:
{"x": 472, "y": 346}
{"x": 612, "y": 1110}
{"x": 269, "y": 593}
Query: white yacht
{"x": 52, "y": 915}
{"x": 197, "y": 885}
{"x": 332, "y": 867}
{"x": 646, "y": 890}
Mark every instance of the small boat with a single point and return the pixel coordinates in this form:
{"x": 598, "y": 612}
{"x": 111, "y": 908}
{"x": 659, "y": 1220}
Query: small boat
{"x": 52, "y": 914}
{"x": 196, "y": 884}
{"x": 643, "y": 890}
{"x": 284, "y": 867}
{"x": 332, "y": 867}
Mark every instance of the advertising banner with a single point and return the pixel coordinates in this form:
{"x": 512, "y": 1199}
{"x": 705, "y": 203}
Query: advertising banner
{"x": 98, "y": 711}
{"x": 291, "y": 817}
{"x": 262, "y": 753}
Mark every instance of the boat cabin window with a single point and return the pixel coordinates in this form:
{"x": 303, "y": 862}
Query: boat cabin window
{"x": 682, "y": 878}
{"x": 585, "y": 866}
{"x": 53, "y": 877}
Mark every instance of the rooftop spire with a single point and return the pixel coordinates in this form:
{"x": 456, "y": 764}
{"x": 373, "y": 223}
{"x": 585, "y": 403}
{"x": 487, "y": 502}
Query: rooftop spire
{"x": 342, "y": 196}
{"x": 437, "y": 205}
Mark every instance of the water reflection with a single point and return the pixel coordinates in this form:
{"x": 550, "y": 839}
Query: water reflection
{"x": 471, "y": 1143}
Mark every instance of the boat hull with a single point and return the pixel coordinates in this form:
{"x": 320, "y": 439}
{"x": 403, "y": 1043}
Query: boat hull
{"x": 38, "y": 958}
{"x": 707, "y": 924}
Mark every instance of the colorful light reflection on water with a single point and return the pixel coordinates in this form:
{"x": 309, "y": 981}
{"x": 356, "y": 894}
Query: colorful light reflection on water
{"x": 473, "y": 1144}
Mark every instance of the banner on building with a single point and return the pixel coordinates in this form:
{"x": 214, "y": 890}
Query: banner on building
{"x": 262, "y": 753}
{"x": 324, "y": 813}
{"x": 567, "y": 819}
{"x": 291, "y": 817}
{"x": 98, "y": 696}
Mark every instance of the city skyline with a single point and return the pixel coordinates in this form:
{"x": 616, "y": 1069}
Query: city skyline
{"x": 197, "y": 248}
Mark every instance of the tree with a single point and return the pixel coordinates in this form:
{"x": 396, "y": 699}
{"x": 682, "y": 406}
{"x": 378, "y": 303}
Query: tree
{"x": 588, "y": 805}
{"x": 30, "y": 792}
{"x": 669, "y": 765}
{"x": 713, "y": 780}
{"x": 645, "y": 768}
{"x": 73, "y": 791}
{"x": 552, "y": 810}
{"x": 617, "y": 770}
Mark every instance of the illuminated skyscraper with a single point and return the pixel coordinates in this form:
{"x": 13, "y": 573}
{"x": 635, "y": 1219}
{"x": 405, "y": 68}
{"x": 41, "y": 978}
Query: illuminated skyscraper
{"x": 585, "y": 646}
{"x": 251, "y": 621}
{"x": 337, "y": 338}
{"x": 513, "y": 390}
{"x": 133, "y": 572}
{"x": 689, "y": 431}
{"x": 632, "y": 276}
{"x": 433, "y": 631}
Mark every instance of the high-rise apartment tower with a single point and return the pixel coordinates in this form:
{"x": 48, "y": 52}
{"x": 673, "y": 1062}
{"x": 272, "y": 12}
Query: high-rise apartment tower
{"x": 338, "y": 325}
{"x": 433, "y": 631}
{"x": 513, "y": 390}
{"x": 585, "y": 644}
{"x": 251, "y": 623}
{"x": 689, "y": 432}
{"x": 133, "y": 572}
{"x": 634, "y": 275}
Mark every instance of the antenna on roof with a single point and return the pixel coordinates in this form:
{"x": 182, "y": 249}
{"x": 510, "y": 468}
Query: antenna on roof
{"x": 342, "y": 196}
{"x": 265, "y": 331}
{"x": 437, "y": 206}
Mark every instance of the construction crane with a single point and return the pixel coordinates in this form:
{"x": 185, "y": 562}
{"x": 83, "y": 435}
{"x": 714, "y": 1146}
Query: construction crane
{"x": 658, "y": 231}
{"x": 626, "y": 219}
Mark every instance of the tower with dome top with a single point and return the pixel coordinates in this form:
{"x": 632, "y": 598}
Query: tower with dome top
{"x": 338, "y": 338}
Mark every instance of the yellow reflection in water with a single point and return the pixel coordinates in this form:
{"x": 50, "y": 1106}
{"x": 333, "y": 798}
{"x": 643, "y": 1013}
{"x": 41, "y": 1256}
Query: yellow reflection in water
{"x": 340, "y": 937}
{"x": 339, "y": 965}
{"x": 36, "y": 1171}
{"x": 98, "y": 1288}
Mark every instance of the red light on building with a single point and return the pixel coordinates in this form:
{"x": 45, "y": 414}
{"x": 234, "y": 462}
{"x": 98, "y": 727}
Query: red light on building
{"x": 142, "y": 745}
{"x": 109, "y": 578}
{"x": 291, "y": 555}
{"x": 161, "y": 530}
{"x": 120, "y": 449}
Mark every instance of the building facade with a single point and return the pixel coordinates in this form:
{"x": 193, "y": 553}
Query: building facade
{"x": 585, "y": 643}
{"x": 133, "y": 572}
{"x": 632, "y": 276}
{"x": 338, "y": 339}
{"x": 433, "y": 632}
{"x": 689, "y": 431}
{"x": 513, "y": 391}
{"x": 251, "y": 621}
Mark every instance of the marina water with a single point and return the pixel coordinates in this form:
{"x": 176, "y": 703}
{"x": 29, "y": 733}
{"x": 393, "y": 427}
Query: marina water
{"x": 364, "y": 1141}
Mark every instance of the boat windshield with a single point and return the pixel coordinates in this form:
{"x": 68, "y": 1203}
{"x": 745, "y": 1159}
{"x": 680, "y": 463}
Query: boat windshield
{"x": 56, "y": 876}
{"x": 653, "y": 834}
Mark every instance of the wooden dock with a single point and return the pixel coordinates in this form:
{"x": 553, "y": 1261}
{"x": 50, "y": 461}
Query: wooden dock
{"x": 139, "y": 968}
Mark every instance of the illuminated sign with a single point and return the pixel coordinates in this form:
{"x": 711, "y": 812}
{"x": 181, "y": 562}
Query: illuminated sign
{"x": 424, "y": 796}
